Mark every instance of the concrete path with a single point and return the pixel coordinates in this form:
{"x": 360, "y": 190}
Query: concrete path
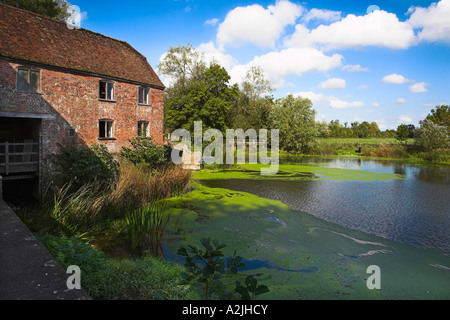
{"x": 27, "y": 270}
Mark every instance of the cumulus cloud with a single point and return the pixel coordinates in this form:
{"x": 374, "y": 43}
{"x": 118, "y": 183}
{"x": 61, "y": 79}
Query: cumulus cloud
{"x": 433, "y": 22}
{"x": 212, "y": 22}
{"x": 333, "y": 83}
{"x": 378, "y": 28}
{"x": 330, "y": 101}
{"x": 292, "y": 61}
{"x": 396, "y": 79}
{"x": 363, "y": 86}
{"x": 212, "y": 53}
{"x": 257, "y": 25}
{"x": 354, "y": 68}
{"x": 404, "y": 119}
{"x": 322, "y": 15}
{"x": 400, "y": 101}
{"x": 418, "y": 87}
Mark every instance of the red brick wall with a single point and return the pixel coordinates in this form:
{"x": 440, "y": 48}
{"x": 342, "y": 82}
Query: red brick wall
{"x": 74, "y": 102}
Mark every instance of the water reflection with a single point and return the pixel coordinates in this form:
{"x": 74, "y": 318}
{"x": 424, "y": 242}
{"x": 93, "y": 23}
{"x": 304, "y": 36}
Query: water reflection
{"x": 415, "y": 210}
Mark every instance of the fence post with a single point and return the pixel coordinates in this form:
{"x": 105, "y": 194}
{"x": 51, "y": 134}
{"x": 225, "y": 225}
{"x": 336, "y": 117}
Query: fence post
{"x": 6, "y": 158}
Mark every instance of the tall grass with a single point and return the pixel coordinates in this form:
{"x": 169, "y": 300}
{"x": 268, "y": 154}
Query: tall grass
{"x": 130, "y": 198}
{"x": 145, "y": 228}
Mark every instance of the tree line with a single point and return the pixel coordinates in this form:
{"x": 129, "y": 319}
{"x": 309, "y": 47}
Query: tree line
{"x": 199, "y": 91}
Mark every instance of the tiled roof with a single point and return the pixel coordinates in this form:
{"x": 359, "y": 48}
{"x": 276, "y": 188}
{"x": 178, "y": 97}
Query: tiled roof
{"x": 35, "y": 38}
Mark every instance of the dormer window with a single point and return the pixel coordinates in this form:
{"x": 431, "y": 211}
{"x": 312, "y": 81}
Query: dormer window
{"x": 143, "y": 95}
{"x": 28, "y": 80}
{"x": 106, "y": 90}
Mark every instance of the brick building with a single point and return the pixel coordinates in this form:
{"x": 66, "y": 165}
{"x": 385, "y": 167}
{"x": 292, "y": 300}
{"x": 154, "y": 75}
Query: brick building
{"x": 58, "y": 82}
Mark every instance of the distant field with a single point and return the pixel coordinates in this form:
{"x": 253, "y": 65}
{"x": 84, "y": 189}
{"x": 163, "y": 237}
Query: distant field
{"x": 364, "y": 141}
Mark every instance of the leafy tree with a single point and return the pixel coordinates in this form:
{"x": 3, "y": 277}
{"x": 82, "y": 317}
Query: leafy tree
{"x": 441, "y": 116}
{"x": 294, "y": 118}
{"x": 411, "y": 129}
{"x": 50, "y": 8}
{"x": 402, "y": 133}
{"x": 208, "y": 99}
{"x": 181, "y": 64}
{"x": 432, "y": 136}
{"x": 252, "y": 107}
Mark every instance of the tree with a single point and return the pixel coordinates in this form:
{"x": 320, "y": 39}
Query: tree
{"x": 252, "y": 107}
{"x": 295, "y": 120}
{"x": 441, "y": 116}
{"x": 402, "y": 133}
{"x": 50, "y": 8}
{"x": 181, "y": 64}
{"x": 431, "y": 136}
{"x": 207, "y": 98}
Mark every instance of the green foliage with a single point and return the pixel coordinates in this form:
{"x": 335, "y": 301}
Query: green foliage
{"x": 104, "y": 278}
{"x": 441, "y": 116}
{"x": 431, "y": 136}
{"x": 79, "y": 164}
{"x": 402, "y": 133}
{"x": 145, "y": 227}
{"x": 207, "y": 98}
{"x": 252, "y": 107}
{"x": 294, "y": 118}
{"x": 250, "y": 289}
{"x": 206, "y": 266}
{"x": 50, "y": 8}
{"x": 145, "y": 153}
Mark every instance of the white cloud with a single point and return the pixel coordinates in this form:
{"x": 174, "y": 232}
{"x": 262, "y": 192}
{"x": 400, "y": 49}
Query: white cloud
{"x": 323, "y": 15}
{"x": 378, "y": 28}
{"x": 396, "y": 79}
{"x": 375, "y": 104}
{"x": 400, "y": 101}
{"x": 404, "y": 119}
{"x": 354, "y": 68}
{"x": 212, "y": 53}
{"x": 293, "y": 61}
{"x": 330, "y": 101}
{"x": 333, "y": 83}
{"x": 257, "y": 25}
{"x": 418, "y": 87}
{"x": 340, "y": 104}
{"x": 363, "y": 86}
{"x": 213, "y": 22}
{"x": 433, "y": 22}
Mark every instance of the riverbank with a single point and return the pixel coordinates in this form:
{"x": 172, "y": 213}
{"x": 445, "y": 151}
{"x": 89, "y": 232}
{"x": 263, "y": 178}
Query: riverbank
{"x": 384, "y": 148}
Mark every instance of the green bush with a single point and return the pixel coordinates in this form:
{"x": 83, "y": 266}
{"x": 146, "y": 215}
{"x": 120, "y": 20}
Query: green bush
{"x": 145, "y": 153}
{"x": 79, "y": 164}
{"x": 431, "y": 136}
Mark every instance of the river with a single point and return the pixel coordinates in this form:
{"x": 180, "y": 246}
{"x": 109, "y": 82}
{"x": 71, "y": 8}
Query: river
{"x": 413, "y": 210}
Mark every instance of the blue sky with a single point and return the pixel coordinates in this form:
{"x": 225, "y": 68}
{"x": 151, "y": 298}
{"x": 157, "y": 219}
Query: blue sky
{"x": 390, "y": 65}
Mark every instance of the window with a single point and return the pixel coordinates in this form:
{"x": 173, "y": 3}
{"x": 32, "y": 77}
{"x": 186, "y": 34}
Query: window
{"x": 28, "y": 80}
{"x": 105, "y": 129}
{"x": 106, "y": 90}
{"x": 143, "y": 95}
{"x": 143, "y": 129}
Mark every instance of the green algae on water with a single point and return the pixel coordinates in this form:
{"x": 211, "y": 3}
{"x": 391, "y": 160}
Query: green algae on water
{"x": 299, "y": 256}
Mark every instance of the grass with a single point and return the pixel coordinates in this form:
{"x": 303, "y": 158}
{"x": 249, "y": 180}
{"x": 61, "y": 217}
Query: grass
{"x": 88, "y": 227}
{"x": 146, "y": 278}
